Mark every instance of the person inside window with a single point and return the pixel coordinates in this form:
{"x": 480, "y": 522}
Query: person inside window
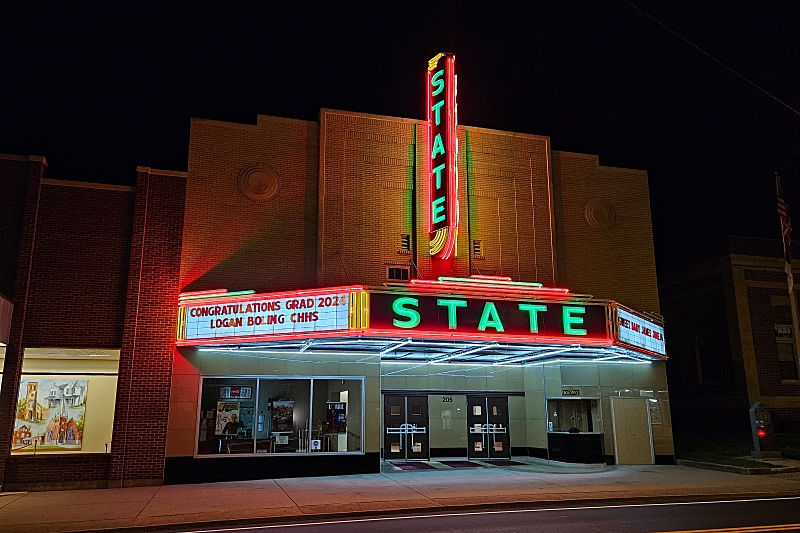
{"x": 232, "y": 427}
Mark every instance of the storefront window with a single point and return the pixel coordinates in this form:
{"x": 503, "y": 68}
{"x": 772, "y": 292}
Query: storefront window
{"x": 573, "y": 415}
{"x": 227, "y": 410}
{"x": 279, "y": 416}
{"x": 337, "y": 415}
{"x": 283, "y": 416}
{"x": 65, "y": 402}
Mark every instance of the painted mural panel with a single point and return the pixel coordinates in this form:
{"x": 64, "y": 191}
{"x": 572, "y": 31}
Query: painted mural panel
{"x": 50, "y": 415}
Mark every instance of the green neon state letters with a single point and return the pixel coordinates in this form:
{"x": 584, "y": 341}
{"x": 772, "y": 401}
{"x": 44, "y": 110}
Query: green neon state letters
{"x": 533, "y": 313}
{"x": 451, "y": 305}
{"x": 438, "y": 82}
{"x": 490, "y": 318}
{"x": 570, "y": 320}
{"x": 438, "y": 146}
{"x": 399, "y": 307}
{"x": 438, "y": 209}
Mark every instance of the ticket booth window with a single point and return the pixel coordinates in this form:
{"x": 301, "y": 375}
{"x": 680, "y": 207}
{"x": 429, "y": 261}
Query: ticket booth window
{"x": 573, "y": 415}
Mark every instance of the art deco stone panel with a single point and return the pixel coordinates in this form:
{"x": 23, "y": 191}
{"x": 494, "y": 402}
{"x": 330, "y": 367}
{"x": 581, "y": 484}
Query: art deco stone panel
{"x": 251, "y": 205}
{"x": 604, "y": 236}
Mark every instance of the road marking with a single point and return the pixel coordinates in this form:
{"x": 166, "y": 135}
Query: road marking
{"x": 751, "y": 529}
{"x": 512, "y": 511}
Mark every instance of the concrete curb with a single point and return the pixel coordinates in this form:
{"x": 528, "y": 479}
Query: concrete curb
{"x": 739, "y": 469}
{"x": 543, "y": 504}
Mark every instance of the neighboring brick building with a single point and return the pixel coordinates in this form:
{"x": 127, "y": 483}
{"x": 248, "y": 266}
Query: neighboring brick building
{"x": 95, "y": 272}
{"x": 730, "y": 336}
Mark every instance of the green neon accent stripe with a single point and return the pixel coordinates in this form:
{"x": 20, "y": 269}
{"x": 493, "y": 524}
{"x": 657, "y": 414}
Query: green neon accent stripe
{"x": 491, "y": 282}
{"x": 210, "y": 296}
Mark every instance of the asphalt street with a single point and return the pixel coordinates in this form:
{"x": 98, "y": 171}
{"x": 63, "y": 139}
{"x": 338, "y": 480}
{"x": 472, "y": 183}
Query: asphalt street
{"x": 735, "y": 516}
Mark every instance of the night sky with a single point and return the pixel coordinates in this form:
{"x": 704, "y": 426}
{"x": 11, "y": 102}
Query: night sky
{"x": 99, "y": 92}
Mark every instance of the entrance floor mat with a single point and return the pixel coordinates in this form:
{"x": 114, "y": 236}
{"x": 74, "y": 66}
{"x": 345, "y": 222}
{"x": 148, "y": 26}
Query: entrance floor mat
{"x": 412, "y": 465}
{"x": 501, "y": 462}
{"x": 460, "y": 464}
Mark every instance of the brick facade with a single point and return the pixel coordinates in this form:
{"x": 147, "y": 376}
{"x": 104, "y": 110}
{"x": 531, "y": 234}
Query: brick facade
{"x": 721, "y": 309}
{"x": 57, "y": 472}
{"x": 12, "y": 365}
{"x": 148, "y": 340}
{"x": 233, "y": 242}
{"x": 80, "y": 268}
{"x": 343, "y": 191}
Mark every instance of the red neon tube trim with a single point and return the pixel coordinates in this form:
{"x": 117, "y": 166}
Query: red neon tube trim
{"x": 262, "y": 338}
{"x": 500, "y": 293}
{"x": 486, "y": 287}
{"x": 430, "y": 148}
{"x": 449, "y": 247}
{"x": 202, "y": 293}
{"x": 271, "y": 295}
{"x": 526, "y": 339}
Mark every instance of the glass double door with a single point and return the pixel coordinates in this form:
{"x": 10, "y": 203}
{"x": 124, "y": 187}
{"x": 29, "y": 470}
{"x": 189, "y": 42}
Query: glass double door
{"x": 405, "y": 426}
{"x": 487, "y": 427}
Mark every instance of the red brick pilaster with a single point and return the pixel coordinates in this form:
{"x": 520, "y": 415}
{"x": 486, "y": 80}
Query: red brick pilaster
{"x": 148, "y": 340}
{"x": 12, "y": 367}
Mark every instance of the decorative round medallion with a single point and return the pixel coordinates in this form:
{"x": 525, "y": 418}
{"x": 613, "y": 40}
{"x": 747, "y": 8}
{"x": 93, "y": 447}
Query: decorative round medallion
{"x": 258, "y": 183}
{"x": 600, "y": 214}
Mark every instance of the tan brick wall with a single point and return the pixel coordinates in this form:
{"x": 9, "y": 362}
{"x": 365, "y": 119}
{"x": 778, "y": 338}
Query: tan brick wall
{"x": 365, "y": 195}
{"x": 233, "y": 242}
{"x": 509, "y": 203}
{"x": 369, "y": 197}
{"x": 618, "y": 263}
{"x": 363, "y": 178}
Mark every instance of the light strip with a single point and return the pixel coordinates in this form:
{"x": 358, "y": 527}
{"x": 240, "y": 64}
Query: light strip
{"x": 464, "y": 352}
{"x": 537, "y": 355}
{"x": 491, "y": 280}
{"x": 395, "y": 346}
{"x": 201, "y": 293}
{"x": 207, "y": 296}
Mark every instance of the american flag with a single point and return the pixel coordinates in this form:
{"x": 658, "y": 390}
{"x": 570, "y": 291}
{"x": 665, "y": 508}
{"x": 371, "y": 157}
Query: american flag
{"x": 786, "y": 222}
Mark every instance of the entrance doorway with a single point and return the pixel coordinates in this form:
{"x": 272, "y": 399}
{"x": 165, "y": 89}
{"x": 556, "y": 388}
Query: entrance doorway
{"x": 405, "y": 423}
{"x": 487, "y": 426}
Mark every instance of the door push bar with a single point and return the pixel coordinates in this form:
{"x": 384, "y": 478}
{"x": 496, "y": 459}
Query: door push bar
{"x": 406, "y": 429}
{"x": 488, "y": 428}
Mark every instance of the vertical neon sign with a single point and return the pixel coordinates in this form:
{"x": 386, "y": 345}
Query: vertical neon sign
{"x": 442, "y": 154}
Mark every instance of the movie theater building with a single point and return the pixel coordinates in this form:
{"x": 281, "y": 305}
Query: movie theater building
{"x": 314, "y": 298}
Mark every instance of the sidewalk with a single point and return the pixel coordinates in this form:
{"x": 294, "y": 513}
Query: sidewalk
{"x": 427, "y": 490}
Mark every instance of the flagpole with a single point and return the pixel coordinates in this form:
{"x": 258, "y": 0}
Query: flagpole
{"x": 787, "y": 256}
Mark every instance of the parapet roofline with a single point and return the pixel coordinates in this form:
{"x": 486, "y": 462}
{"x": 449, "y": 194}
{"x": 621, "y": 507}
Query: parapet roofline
{"x": 87, "y": 185}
